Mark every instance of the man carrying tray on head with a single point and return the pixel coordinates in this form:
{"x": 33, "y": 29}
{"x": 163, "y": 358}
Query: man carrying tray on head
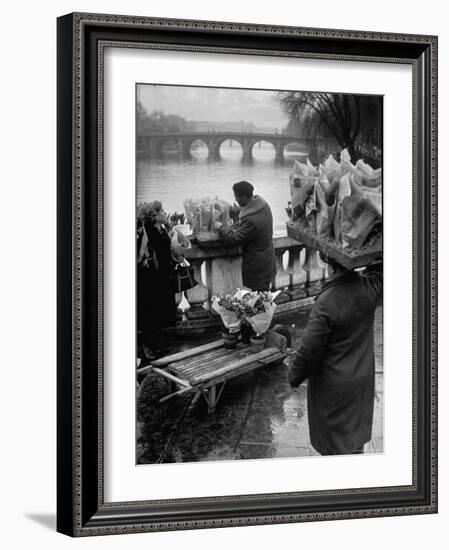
{"x": 336, "y": 355}
{"x": 255, "y": 235}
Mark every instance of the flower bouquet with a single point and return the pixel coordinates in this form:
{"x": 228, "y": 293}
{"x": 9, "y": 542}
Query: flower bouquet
{"x": 202, "y": 214}
{"x": 229, "y": 308}
{"x": 258, "y": 311}
{"x": 179, "y": 244}
{"x": 340, "y": 214}
{"x": 256, "y": 308}
{"x": 340, "y": 202}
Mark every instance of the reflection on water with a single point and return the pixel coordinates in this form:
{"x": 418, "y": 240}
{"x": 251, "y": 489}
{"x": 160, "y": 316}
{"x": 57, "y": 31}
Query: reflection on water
{"x": 172, "y": 179}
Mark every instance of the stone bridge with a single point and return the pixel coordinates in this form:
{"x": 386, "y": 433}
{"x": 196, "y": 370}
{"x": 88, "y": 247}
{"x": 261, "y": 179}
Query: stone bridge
{"x": 153, "y": 144}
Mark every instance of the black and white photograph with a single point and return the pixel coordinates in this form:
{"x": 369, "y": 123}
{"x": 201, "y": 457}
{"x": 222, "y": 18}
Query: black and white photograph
{"x": 229, "y": 214}
{"x": 259, "y": 273}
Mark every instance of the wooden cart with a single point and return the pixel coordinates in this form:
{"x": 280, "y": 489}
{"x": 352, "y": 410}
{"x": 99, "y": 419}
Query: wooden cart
{"x": 204, "y": 370}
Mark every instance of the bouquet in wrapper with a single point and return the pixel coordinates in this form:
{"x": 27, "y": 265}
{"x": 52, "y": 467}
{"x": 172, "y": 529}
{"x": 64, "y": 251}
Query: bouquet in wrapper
{"x": 229, "y": 308}
{"x": 338, "y": 201}
{"x": 203, "y": 213}
{"x": 254, "y": 307}
{"x": 258, "y": 310}
{"x": 179, "y": 243}
{"x": 302, "y": 181}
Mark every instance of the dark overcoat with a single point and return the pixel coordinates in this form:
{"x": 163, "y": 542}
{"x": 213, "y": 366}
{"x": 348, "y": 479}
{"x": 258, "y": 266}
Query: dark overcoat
{"x": 255, "y": 235}
{"x": 337, "y": 356}
{"x": 156, "y": 307}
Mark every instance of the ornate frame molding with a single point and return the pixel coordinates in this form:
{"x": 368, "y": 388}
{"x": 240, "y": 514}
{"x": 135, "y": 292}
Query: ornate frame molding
{"x": 81, "y": 510}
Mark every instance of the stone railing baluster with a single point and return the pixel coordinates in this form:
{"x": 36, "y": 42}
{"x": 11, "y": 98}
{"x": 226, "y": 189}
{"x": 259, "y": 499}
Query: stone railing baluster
{"x": 313, "y": 270}
{"x": 178, "y": 300}
{"x": 183, "y": 305}
{"x": 323, "y": 266}
{"x": 298, "y": 276}
{"x": 197, "y": 296}
{"x": 282, "y": 277}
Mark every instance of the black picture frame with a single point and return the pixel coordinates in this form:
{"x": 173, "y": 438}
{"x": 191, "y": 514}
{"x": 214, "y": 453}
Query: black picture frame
{"x": 81, "y": 510}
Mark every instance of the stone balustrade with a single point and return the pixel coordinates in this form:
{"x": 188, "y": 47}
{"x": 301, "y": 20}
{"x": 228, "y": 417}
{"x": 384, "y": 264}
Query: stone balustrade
{"x": 299, "y": 274}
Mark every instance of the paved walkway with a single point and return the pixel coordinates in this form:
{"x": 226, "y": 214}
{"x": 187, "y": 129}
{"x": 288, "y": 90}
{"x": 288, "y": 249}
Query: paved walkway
{"x": 258, "y": 416}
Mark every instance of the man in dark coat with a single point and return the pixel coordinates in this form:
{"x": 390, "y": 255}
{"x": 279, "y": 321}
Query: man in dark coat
{"x": 336, "y": 355}
{"x": 255, "y": 235}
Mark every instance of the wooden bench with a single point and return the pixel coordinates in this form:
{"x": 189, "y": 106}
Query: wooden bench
{"x": 204, "y": 370}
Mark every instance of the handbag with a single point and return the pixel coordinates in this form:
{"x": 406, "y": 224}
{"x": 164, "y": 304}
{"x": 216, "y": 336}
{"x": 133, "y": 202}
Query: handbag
{"x": 184, "y": 277}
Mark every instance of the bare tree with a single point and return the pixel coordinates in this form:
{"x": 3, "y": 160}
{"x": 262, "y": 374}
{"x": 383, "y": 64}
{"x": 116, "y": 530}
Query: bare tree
{"x": 346, "y": 117}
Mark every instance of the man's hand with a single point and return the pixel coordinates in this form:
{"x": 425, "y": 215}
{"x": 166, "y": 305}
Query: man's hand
{"x": 287, "y": 362}
{"x": 217, "y": 225}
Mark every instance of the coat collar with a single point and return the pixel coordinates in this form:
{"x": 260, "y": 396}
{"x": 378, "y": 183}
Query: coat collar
{"x": 256, "y": 204}
{"x": 341, "y": 280}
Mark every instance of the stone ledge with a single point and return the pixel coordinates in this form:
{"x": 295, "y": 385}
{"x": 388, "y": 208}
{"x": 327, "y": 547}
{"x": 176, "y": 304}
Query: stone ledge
{"x": 222, "y": 250}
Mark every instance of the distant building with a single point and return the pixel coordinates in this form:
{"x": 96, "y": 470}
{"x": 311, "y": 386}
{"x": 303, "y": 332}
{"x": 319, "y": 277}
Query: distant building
{"x": 267, "y": 130}
{"x": 232, "y": 126}
{"x": 239, "y": 126}
{"x": 199, "y": 126}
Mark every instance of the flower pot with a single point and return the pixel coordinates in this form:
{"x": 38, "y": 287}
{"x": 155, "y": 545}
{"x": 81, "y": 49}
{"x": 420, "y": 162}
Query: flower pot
{"x": 246, "y": 332}
{"x": 230, "y": 339}
{"x": 257, "y": 343}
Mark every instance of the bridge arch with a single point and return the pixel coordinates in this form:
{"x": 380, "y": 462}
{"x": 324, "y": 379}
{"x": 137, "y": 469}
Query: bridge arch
{"x": 218, "y": 143}
{"x": 188, "y": 144}
{"x": 273, "y": 143}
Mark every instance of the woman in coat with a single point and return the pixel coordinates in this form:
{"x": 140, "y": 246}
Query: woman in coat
{"x": 336, "y": 355}
{"x": 156, "y": 307}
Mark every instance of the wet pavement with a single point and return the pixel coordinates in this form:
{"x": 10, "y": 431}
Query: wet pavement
{"x": 257, "y": 416}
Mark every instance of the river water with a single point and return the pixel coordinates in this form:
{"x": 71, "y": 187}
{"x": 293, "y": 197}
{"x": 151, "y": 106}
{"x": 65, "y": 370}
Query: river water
{"x": 171, "y": 180}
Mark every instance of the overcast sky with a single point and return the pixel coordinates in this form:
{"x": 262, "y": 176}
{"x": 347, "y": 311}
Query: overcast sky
{"x": 214, "y": 104}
